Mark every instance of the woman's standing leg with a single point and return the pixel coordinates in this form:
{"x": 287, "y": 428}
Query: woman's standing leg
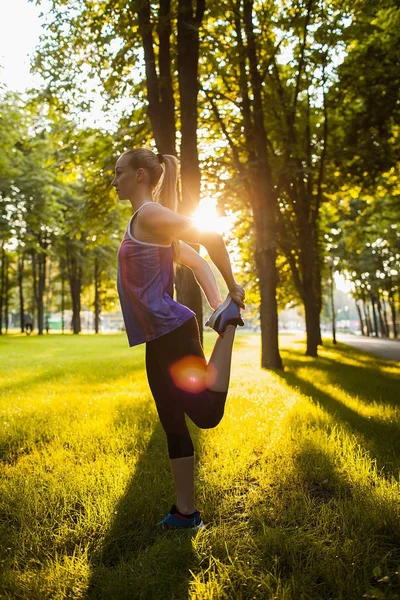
{"x": 183, "y": 475}
{"x": 204, "y": 408}
{"x": 180, "y": 446}
{"x": 183, "y": 469}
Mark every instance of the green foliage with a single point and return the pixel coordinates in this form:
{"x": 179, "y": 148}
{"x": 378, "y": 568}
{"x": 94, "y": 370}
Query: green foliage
{"x": 369, "y": 245}
{"x": 56, "y": 199}
{"x": 367, "y": 95}
{"x": 329, "y": 77}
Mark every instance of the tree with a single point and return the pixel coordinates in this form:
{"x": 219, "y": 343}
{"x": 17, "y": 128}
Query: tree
{"x": 267, "y": 89}
{"x": 29, "y": 193}
{"x": 364, "y": 159}
{"x": 366, "y": 98}
{"x": 118, "y": 46}
{"x": 368, "y": 246}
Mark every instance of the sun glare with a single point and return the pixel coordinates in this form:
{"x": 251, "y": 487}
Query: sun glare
{"x": 207, "y": 219}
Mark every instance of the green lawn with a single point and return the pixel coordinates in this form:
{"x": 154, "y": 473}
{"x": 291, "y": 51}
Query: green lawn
{"x": 299, "y": 483}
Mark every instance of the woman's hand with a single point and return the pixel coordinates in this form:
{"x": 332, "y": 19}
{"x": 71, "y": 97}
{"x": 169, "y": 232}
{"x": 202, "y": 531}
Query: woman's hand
{"x": 237, "y": 294}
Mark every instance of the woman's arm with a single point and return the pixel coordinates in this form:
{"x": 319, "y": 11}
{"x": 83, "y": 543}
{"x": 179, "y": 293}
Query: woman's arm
{"x": 203, "y": 274}
{"x": 160, "y": 220}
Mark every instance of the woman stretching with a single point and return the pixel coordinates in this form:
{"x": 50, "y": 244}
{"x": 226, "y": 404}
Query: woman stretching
{"x": 180, "y": 379}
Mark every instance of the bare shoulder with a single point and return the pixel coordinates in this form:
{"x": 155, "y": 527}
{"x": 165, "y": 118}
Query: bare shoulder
{"x": 152, "y": 207}
{"x": 141, "y": 230}
{"x": 159, "y": 220}
{"x": 153, "y": 214}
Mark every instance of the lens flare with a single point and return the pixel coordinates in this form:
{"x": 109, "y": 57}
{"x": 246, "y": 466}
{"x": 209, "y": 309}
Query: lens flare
{"x": 192, "y": 374}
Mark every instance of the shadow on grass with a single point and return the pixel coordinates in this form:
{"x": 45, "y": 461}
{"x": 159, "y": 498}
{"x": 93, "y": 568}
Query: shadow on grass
{"x": 28, "y": 434}
{"x": 382, "y": 437}
{"x": 365, "y": 379}
{"x": 99, "y": 373}
{"x": 341, "y": 523}
{"x": 136, "y": 559}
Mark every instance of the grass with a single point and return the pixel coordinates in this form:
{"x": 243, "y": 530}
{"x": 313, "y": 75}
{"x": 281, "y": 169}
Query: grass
{"x": 299, "y": 483}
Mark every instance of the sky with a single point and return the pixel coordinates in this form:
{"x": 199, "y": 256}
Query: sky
{"x": 19, "y": 34}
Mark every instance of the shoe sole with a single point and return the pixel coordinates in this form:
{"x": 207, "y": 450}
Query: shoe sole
{"x": 173, "y": 527}
{"x": 213, "y": 319}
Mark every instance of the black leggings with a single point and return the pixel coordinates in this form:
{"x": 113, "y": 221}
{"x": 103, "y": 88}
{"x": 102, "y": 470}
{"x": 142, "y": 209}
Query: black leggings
{"x": 205, "y": 407}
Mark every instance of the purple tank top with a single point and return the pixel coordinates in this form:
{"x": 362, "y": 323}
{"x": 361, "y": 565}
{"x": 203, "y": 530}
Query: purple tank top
{"x": 146, "y": 286}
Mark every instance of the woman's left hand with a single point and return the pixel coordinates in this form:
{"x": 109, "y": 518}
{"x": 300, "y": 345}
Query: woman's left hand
{"x": 237, "y": 294}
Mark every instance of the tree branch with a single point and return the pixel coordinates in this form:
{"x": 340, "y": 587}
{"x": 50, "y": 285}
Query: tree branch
{"x": 146, "y": 32}
{"x": 220, "y": 120}
{"x": 308, "y": 146}
{"x": 164, "y": 61}
{"x": 289, "y": 255}
{"x": 243, "y": 86}
{"x": 271, "y": 60}
{"x": 301, "y": 61}
{"x": 200, "y": 8}
{"x": 321, "y": 171}
{"x": 261, "y": 137}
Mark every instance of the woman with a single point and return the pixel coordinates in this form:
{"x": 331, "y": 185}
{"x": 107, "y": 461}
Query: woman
{"x": 180, "y": 379}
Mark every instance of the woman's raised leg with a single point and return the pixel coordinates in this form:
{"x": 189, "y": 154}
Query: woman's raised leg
{"x": 219, "y": 365}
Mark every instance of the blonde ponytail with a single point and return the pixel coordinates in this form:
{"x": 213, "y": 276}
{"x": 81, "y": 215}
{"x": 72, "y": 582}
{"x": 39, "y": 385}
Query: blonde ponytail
{"x": 166, "y": 191}
{"x": 163, "y": 171}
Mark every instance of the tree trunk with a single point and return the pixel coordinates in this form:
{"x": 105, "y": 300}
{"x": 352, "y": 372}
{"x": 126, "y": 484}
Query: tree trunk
{"x": 161, "y": 107}
{"x": 266, "y": 271}
{"x": 6, "y": 294}
{"x": 370, "y": 326}
{"x": 162, "y": 115}
{"x": 48, "y": 299}
{"x": 312, "y": 321}
{"x": 75, "y": 286}
{"x": 96, "y": 295}
{"x": 42, "y": 260}
{"x": 264, "y": 206}
{"x": 332, "y": 306}
{"x": 3, "y": 258}
{"x": 35, "y": 281}
{"x": 360, "y": 318}
{"x": 188, "y": 291}
{"x": 75, "y": 281}
{"x": 366, "y": 317}
{"x": 39, "y": 281}
{"x": 382, "y": 328}
{"x": 385, "y": 319}
{"x": 308, "y": 292}
{"x": 374, "y": 315}
{"x": 393, "y": 311}
{"x": 21, "y": 291}
{"x": 188, "y": 58}
{"x": 318, "y": 290}
{"x": 62, "y": 266}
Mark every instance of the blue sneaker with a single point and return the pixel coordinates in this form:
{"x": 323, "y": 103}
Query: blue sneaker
{"x": 226, "y": 314}
{"x": 175, "y": 520}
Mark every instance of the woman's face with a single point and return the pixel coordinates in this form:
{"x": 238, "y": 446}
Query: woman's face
{"x": 126, "y": 178}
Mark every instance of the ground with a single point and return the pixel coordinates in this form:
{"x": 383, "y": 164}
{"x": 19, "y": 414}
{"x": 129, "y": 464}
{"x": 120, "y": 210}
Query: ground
{"x": 387, "y": 349}
{"x": 299, "y": 484}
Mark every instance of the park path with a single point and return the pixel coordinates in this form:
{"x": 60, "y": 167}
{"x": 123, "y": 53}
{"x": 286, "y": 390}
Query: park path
{"x": 387, "y": 349}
